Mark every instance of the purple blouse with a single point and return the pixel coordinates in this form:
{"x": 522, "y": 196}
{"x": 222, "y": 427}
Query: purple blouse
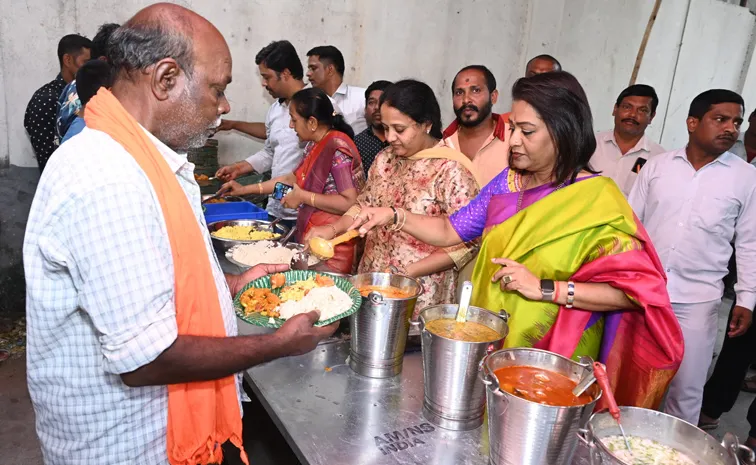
{"x": 471, "y": 220}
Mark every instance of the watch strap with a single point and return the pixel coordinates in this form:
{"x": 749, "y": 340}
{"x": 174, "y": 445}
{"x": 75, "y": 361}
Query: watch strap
{"x": 547, "y": 290}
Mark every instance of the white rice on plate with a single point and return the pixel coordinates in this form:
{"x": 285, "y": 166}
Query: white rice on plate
{"x": 330, "y": 301}
{"x": 267, "y": 252}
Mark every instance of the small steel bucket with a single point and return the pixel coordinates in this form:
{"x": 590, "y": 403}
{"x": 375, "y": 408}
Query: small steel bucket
{"x": 522, "y": 432}
{"x": 379, "y": 329}
{"x": 454, "y": 397}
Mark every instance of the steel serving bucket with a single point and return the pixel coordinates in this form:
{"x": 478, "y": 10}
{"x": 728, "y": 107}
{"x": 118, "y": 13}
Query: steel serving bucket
{"x": 454, "y": 397}
{"x": 522, "y": 432}
{"x": 379, "y": 329}
{"x": 665, "y": 429}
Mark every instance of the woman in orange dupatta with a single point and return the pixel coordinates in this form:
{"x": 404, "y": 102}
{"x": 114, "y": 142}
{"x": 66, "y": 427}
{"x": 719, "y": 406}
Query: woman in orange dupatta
{"x": 327, "y": 181}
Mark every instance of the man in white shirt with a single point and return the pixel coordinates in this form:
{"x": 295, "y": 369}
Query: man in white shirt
{"x": 103, "y": 337}
{"x": 621, "y": 153}
{"x": 282, "y": 76}
{"x": 694, "y": 202}
{"x": 325, "y": 70}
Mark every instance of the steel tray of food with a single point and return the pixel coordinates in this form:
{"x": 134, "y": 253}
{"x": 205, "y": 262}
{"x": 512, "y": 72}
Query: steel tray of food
{"x": 269, "y": 252}
{"x": 224, "y": 199}
{"x": 228, "y": 233}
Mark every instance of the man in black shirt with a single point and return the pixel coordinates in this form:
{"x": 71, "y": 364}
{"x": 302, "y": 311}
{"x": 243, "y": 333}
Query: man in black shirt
{"x": 372, "y": 140}
{"x": 42, "y": 110}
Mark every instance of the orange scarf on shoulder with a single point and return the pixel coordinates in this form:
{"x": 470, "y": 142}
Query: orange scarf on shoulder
{"x": 201, "y": 415}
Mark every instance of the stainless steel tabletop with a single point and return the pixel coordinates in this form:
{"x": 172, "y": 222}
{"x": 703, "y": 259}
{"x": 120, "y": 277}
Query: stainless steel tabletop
{"x": 330, "y": 415}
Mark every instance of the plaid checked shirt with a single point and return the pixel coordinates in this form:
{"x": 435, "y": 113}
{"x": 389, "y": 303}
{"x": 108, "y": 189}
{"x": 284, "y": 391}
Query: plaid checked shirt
{"x": 100, "y": 302}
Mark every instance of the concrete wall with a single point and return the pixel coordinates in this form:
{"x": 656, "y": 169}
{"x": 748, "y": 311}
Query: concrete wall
{"x": 695, "y": 45}
{"x": 17, "y": 187}
{"x": 4, "y": 133}
{"x": 707, "y": 61}
{"x": 595, "y": 39}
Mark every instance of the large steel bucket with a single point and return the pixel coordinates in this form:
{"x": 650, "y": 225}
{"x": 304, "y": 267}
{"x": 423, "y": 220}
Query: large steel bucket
{"x": 665, "y": 429}
{"x": 379, "y": 329}
{"x": 454, "y": 397}
{"x": 528, "y": 433}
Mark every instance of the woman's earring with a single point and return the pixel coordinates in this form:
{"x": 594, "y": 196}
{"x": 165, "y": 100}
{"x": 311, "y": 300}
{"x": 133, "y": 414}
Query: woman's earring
{"x": 427, "y": 131}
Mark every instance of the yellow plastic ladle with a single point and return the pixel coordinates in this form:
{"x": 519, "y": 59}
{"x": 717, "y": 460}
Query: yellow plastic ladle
{"x": 324, "y": 249}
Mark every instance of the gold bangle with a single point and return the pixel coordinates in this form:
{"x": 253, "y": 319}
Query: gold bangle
{"x": 334, "y": 230}
{"x": 402, "y": 220}
{"x": 259, "y": 188}
{"x": 356, "y": 209}
{"x": 312, "y": 199}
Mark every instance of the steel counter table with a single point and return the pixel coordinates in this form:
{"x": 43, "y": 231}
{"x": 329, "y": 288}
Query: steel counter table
{"x": 330, "y": 415}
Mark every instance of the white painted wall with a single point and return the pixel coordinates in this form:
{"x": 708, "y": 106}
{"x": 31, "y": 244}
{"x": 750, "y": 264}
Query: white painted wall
{"x": 597, "y": 40}
{"x": 707, "y": 61}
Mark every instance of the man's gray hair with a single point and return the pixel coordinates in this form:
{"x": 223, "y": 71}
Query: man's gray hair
{"x": 135, "y": 47}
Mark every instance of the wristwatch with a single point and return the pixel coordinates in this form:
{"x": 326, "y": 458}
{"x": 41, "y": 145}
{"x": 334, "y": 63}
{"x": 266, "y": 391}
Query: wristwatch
{"x": 547, "y": 290}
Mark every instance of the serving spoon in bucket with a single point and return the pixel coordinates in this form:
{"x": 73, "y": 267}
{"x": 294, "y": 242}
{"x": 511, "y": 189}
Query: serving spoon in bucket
{"x": 464, "y": 301}
{"x": 585, "y": 383}
{"x": 603, "y": 381}
{"x": 324, "y": 249}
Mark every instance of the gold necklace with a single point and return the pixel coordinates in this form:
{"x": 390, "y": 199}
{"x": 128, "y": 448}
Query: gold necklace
{"x": 521, "y": 194}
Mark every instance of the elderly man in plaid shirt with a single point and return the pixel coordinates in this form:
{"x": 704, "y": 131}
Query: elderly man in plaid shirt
{"x": 103, "y": 339}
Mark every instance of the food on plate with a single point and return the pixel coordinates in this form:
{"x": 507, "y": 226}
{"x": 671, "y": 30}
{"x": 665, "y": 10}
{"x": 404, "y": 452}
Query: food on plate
{"x": 315, "y": 293}
{"x": 324, "y": 281}
{"x": 645, "y": 451}
{"x": 389, "y": 292}
{"x": 217, "y": 200}
{"x": 541, "y": 386}
{"x": 277, "y": 280}
{"x": 267, "y": 252}
{"x": 261, "y": 301}
{"x": 330, "y": 301}
{"x": 469, "y": 331}
{"x": 244, "y": 233}
{"x": 297, "y": 290}
{"x": 201, "y": 177}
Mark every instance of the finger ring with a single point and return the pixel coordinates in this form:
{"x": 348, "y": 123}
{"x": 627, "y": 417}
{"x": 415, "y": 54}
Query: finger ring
{"x": 507, "y": 279}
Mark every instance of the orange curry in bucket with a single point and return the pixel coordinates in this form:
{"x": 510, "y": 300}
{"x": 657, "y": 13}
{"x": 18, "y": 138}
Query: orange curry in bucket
{"x": 388, "y": 292}
{"x": 540, "y": 386}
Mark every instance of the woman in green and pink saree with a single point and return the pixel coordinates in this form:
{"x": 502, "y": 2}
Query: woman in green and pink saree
{"x": 562, "y": 251}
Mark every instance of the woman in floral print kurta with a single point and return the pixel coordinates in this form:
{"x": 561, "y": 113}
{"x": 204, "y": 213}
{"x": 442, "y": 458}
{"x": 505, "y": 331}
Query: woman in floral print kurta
{"x": 432, "y": 187}
{"x": 413, "y": 175}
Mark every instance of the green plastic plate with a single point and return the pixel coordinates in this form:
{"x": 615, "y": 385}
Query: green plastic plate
{"x": 291, "y": 277}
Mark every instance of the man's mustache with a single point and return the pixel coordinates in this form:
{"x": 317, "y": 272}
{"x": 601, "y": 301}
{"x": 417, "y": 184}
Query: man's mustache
{"x": 468, "y": 107}
{"x": 631, "y": 120}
